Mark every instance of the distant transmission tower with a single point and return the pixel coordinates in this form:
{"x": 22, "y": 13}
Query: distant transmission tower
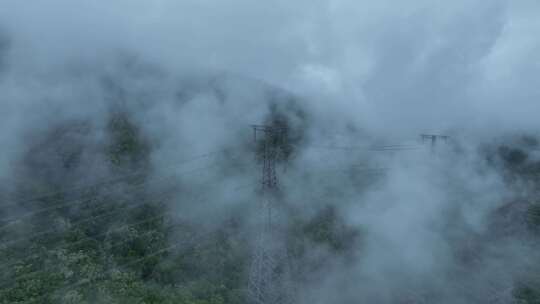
{"x": 433, "y": 138}
{"x": 269, "y": 281}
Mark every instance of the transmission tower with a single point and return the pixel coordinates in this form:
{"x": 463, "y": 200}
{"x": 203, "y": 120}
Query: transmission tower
{"x": 433, "y": 138}
{"x": 269, "y": 273}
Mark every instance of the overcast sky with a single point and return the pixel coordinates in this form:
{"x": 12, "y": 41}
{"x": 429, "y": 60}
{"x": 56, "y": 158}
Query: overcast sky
{"x": 398, "y": 66}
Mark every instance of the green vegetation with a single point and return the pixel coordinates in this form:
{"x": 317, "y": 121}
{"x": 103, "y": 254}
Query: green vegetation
{"x": 521, "y": 168}
{"x": 102, "y": 246}
{"x": 116, "y": 243}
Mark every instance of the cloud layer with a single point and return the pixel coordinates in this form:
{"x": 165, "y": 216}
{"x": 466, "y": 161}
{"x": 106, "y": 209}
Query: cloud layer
{"x": 196, "y": 73}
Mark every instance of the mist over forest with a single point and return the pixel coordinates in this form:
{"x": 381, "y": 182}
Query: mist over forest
{"x": 322, "y": 151}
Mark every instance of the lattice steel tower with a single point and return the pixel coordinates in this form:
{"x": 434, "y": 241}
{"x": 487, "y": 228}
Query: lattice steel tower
{"x": 269, "y": 274}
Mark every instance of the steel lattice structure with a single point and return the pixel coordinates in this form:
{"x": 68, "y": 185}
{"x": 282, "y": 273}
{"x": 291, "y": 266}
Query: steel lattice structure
{"x": 269, "y": 281}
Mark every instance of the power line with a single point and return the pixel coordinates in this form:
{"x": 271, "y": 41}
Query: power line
{"x": 125, "y": 226}
{"x": 70, "y": 203}
{"x": 84, "y": 220}
{"x": 82, "y": 282}
{"x": 356, "y": 148}
{"x": 78, "y": 201}
{"x": 76, "y": 223}
{"x": 361, "y": 167}
{"x": 147, "y": 220}
{"x": 86, "y": 238}
{"x": 106, "y": 182}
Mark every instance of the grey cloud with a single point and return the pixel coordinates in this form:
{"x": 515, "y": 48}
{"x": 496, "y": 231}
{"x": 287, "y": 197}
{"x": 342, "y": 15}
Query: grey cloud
{"x": 193, "y": 75}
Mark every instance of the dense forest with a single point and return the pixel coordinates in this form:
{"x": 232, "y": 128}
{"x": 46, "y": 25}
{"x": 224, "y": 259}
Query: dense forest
{"x": 66, "y": 239}
{"x": 116, "y": 241}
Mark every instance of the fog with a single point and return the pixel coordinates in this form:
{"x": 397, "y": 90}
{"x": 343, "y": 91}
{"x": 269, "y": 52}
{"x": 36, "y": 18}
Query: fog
{"x": 195, "y": 74}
